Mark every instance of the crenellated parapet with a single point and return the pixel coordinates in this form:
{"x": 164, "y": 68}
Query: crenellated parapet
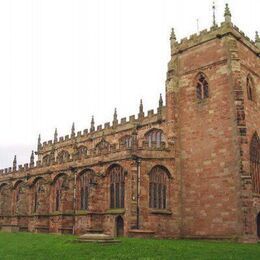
{"x": 216, "y": 31}
{"x": 95, "y": 142}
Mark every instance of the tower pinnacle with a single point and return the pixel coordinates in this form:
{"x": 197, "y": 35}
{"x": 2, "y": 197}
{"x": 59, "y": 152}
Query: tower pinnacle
{"x": 257, "y": 40}
{"x": 227, "y": 14}
{"x": 15, "y": 163}
{"x": 141, "y": 109}
{"x": 214, "y": 14}
{"x": 56, "y": 136}
{"x": 92, "y": 125}
{"x": 73, "y": 130}
{"x": 115, "y": 121}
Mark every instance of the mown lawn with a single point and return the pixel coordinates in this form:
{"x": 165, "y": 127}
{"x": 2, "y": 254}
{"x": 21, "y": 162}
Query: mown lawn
{"x": 44, "y": 246}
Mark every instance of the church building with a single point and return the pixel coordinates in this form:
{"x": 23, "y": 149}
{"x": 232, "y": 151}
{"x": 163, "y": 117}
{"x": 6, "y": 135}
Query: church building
{"x": 190, "y": 169}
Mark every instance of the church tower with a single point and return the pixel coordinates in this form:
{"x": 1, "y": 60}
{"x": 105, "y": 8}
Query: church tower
{"x": 213, "y": 107}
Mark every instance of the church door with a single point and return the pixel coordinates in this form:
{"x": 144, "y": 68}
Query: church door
{"x": 258, "y": 225}
{"x": 119, "y": 226}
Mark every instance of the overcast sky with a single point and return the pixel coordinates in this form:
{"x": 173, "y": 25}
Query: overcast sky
{"x": 65, "y": 60}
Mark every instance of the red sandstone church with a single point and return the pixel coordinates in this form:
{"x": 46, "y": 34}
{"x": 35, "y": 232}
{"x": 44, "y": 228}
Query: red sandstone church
{"x": 191, "y": 169}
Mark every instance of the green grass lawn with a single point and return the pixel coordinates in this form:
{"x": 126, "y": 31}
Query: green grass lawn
{"x": 44, "y": 246}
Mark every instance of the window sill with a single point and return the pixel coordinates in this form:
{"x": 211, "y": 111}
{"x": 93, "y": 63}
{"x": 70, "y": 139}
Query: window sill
{"x": 116, "y": 211}
{"x": 161, "y": 211}
{"x": 82, "y": 212}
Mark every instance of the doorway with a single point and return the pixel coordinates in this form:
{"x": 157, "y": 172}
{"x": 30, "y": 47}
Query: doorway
{"x": 119, "y": 226}
{"x": 258, "y": 225}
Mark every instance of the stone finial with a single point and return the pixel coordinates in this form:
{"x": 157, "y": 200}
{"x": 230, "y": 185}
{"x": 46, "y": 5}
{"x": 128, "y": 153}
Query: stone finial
{"x": 115, "y": 121}
{"x": 227, "y": 14}
{"x": 173, "y": 42}
{"x": 160, "y": 101}
{"x": 39, "y": 142}
{"x": 56, "y": 136}
{"x": 214, "y": 14}
{"x": 15, "y": 163}
{"x": 173, "y": 36}
{"x": 92, "y": 125}
{"x": 257, "y": 39}
{"x": 32, "y": 159}
{"x": 73, "y": 130}
{"x": 141, "y": 109}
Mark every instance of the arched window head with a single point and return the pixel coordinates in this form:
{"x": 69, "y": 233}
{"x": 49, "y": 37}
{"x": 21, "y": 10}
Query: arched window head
{"x": 84, "y": 182}
{"x": 63, "y": 156}
{"x": 126, "y": 141}
{"x": 202, "y": 87}
{"x": 39, "y": 190}
{"x": 158, "y": 182}
{"x": 46, "y": 160}
{"x": 61, "y": 185}
{"x": 250, "y": 88}
{"x": 83, "y": 151}
{"x": 155, "y": 138}
{"x": 255, "y": 163}
{"x": 117, "y": 186}
{"x": 103, "y": 146}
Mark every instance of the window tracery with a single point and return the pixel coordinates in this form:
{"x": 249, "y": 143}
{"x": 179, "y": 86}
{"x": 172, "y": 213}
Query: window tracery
{"x": 202, "y": 87}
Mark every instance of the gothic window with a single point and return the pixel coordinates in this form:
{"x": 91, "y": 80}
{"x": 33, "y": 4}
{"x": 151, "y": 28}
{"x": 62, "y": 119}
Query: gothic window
{"x": 255, "y": 162}
{"x": 103, "y": 146}
{"x": 63, "y": 156}
{"x": 5, "y": 199}
{"x": 158, "y": 181}
{"x": 21, "y": 198}
{"x": 250, "y": 88}
{"x": 46, "y": 160}
{"x": 126, "y": 141}
{"x": 82, "y": 151}
{"x": 61, "y": 185}
{"x": 38, "y": 190}
{"x": 155, "y": 138}
{"x": 202, "y": 87}
{"x": 84, "y": 182}
{"x": 117, "y": 187}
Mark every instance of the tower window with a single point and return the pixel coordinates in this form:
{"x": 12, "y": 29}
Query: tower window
{"x": 255, "y": 163}
{"x": 250, "y": 88}
{"x": 202, "y": 87}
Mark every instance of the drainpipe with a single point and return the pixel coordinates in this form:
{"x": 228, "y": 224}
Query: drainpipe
{"x": 74, "y": 199}
{"x": 138, "y": 166}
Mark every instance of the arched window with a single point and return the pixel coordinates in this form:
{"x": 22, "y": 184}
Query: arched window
{"x": 39, "y": 200}
{"x": 126, "y": 141}
{"x": 117, "y": 187}
{"x": 63, "y": 156}
{"x": 61, "y": 185}
{"x": 250, "y": 88}
{"x": 103, "y": 146}
{"x": 202, "y": 87}
{"x": 82, "y": 151}
{"x": 154, "y": 138}
{"x": 84, "y": 181}
{"x": 158, "y": 181}
{"x": 21, "y": 200}
{"x": 46, "y": 160}
{"x": 255, "y": 162}
{"x": 5, "y": 199}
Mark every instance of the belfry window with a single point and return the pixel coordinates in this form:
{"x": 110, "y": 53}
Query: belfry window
{"x": 158, "y": 180}
{"x": 255, "y": 163}
{"x": 202, "y": 87}
{"x": 117, "y": 187}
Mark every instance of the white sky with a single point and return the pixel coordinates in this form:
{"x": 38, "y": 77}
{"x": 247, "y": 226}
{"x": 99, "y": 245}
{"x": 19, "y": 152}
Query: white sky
{"x": 65, "y": 60}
